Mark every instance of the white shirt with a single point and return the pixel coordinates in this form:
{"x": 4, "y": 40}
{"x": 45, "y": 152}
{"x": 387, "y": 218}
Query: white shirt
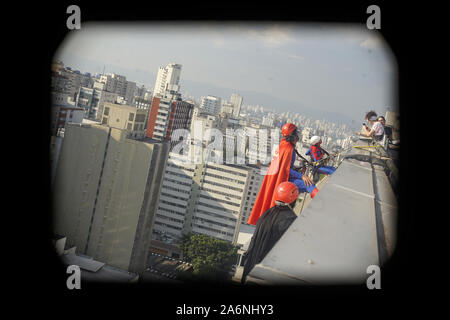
{"x": 378, "y": 130}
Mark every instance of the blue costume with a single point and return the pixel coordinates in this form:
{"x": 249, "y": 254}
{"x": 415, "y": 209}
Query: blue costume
{"x": 296, "y": 177}
{"x": 316, "y": 154}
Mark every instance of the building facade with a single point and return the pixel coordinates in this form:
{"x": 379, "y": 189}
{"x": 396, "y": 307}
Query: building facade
{"x": 205, "y": 198}
{"x": 63, "y": 111}
{"x": 106, "y": 192}
{"x": 168, "y": 79}
{"x": 236, "y": 101}
{"x": 125, "y": 117}
{"x": 211, "y": 104}
{"x": 165, "y": 116}
{"x": 118, "y": 84}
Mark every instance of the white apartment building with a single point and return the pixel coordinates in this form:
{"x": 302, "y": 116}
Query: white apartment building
{"x": 205, "y": 198}
{"x": 306, "y": 135}
{"x": 211, "y": 104}
{"x": 202, "y": 122}
{"x": 175, "y": 193}
{"x": 227, "y": 107}
{"x": 168, "y": 79}
{"x": 98, "y": 85}
{"x": 219, "y": 204}
{"x": 259, "y": 145}
{"x": 268, "y": 120}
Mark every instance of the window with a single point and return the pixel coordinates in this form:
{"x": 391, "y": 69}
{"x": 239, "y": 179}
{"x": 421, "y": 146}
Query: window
{"x": 106, "y": 112}
{"x": 131, "y": 118}
{"x": 105, "y": 120}
{"x": 129, "y": 126}
{"x": 140, "y": 118}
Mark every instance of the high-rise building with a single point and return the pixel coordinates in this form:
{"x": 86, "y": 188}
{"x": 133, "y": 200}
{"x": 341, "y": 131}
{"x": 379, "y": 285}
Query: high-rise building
{"x": 259, "y": 144}
{"x": 236, "y": 101}
{"x": 106, "y": 192}
{"x": 211, "y": 104}
{"x": 268, "y": 121}
{"x": 205, "y": 198}
{"x": 306, "y": 135}
{"x": 203, "y": 122}
{"x": 227, "y": 107}
{"x": 116, "y": 83}
{"x": 75, "y": 80}
{"x": 130, "y": 92}
{"x": 168, "y": 79}
{"x": 167, "y": 115}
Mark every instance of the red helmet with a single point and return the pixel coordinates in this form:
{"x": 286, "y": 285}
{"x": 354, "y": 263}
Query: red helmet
{"x": 286, "y": 192}
{"x": 287, "y": 129}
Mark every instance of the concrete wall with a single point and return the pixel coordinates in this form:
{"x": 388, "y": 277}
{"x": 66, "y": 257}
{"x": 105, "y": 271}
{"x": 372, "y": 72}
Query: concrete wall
{"x": 105, "y": 193}
{"x": 76, "y": 182}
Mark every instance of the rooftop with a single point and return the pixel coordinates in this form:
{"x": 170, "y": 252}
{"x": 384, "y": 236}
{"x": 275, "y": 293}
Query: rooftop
{"x": 96, "y": 271}
{"x": 348, "y": 226}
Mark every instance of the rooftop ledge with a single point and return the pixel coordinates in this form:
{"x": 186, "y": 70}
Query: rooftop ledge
{"x": 348, "y": 226}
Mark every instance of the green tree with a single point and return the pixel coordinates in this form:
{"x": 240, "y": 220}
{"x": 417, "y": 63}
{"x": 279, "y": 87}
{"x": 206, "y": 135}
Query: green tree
{"x": 211, "y": 258}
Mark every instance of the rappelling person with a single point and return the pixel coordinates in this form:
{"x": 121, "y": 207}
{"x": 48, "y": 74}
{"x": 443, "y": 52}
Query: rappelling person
{"x": 281, "y": 169}
{"x": 316, "y": 153}
{"x": 271, "y": 226}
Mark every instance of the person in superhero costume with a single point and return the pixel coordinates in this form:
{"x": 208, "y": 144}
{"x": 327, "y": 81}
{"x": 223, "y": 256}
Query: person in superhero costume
{"x": 316, "y": 153}
{"x": 281, "y": 170}
{"x": 271, "y": 226}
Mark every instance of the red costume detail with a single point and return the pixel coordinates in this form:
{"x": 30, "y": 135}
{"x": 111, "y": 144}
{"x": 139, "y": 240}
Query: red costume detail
{"x": 318, "y": 154}
{"x": 277, "y": 173}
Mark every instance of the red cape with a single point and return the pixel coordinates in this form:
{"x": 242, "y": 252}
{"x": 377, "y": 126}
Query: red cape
{"x": 277, "y": 173}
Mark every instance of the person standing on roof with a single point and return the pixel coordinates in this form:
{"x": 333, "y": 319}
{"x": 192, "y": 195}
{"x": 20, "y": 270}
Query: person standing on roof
{"x": 316, "y": 153}
{"x": 271, "y": 226}
{"x": 281, "y": 169}
{"x": 387, "y": 132}
{"x": 376, "y": 129}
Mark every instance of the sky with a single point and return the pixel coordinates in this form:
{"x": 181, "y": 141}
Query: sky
{"x": 343, "y": 68}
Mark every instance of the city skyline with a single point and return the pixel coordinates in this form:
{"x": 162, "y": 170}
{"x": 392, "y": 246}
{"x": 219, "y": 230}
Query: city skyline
{"x": 342, "y": 69}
